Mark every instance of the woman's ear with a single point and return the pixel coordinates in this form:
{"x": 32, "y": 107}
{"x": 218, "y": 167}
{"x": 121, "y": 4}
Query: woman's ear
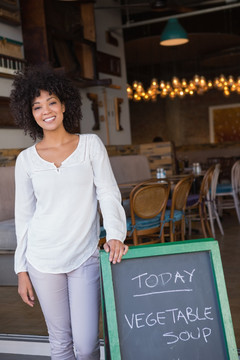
{"x": 63, "y": 108}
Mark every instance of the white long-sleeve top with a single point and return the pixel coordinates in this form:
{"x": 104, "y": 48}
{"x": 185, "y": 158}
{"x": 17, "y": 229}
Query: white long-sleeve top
{"x": 56, "y": 209}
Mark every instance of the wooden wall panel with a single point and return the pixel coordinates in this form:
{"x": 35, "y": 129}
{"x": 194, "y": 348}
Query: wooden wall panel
{"x": 34, "y": 31}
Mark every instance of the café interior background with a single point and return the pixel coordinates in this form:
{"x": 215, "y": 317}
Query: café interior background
{"x": 126, "y": 51}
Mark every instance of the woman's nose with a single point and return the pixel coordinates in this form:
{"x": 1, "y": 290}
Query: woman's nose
{"x": 46, "y": 109}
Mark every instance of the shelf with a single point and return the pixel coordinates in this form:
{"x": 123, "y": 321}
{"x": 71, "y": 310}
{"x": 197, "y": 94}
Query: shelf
{"x": 63, "y": 35}
{"x": 9, "y": 21}
{"x": 9, "y": 12}
{"x": 85, "y": 83}
{"x": 9, "y": 4}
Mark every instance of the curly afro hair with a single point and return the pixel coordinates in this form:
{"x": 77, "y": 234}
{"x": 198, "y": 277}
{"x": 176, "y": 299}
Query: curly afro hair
{"x": 27, "y": 86}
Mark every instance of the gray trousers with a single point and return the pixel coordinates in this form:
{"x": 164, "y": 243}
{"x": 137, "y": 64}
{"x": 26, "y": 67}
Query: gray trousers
{"x": 70, "y": 304}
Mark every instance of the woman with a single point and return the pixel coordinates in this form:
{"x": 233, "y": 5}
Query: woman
{"x": 59, "y": 182}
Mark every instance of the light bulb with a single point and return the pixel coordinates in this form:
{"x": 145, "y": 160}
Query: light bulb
{"x": 162, "y": 84}
{"x": 168, "y": 86}
{"x": 139, "y": 88}
{"x": 210, "y": 84}
{"x": 196, "y": 79}
{"x": 175, "y": 81}
{"x": 129, "y": 89}
{"x": 202, "y": 81}
{"x": 154, "y": 83}
{"x": 230, "y": 80}
{"x": 135, "y": 84}
{"x": 191, "y": 85}
{"x": 216, "y": 81}
{"x": 222, "y": 78}
{"x": 184, "y": 83}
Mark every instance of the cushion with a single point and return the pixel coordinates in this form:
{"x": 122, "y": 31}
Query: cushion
{"x": 102, "y": 232}
{"x": 8, "y": 239}
{"x": 191, "y": 200}
{"x": 223, "y": 188}
{"x": 142, "y": 224}
{"x": 7, "y": 192}
{"x": 176, "y": 217}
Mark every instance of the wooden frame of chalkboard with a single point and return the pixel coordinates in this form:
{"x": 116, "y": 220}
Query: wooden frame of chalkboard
{"x": 179, "y": 313}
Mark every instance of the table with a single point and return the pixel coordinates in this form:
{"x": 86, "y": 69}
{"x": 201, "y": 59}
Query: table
{"x": 126, "y": 188}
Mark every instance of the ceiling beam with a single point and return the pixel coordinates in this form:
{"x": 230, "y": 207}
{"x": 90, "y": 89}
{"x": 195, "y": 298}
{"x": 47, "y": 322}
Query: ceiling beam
{"x": 166, "y": 18}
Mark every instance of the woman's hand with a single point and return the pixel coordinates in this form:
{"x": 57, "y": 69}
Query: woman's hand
{"x": 117, "y": 249}
{"x": 25, "y": 288}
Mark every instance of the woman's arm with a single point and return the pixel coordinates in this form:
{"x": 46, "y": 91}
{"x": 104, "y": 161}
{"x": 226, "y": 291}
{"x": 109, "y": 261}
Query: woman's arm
{"x": 25, "y": 203}
{"x": 108, "y": 194}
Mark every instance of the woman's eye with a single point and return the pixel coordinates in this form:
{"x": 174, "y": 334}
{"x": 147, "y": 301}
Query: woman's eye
{"x": 36, "y": 108}
{"x": 53, "y": 103}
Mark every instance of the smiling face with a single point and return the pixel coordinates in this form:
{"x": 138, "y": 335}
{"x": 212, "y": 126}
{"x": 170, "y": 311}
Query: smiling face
{"x": 48, "y": 111}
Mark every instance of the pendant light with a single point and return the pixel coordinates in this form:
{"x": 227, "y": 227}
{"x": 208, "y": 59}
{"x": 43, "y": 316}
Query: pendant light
{"x": 173, "y": 34}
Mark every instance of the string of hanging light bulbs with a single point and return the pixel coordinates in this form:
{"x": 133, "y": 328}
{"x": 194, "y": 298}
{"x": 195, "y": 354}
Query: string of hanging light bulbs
{"x": 180, "y": 88}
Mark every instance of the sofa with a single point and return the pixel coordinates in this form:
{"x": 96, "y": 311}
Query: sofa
{"x": 7, "y": 228}
{"x": 130, "y": 168}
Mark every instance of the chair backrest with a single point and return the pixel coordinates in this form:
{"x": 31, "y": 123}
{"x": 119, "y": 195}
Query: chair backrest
{"x": 214, "y": 181}
{"x": 148, "y": 199}
{"x": 235, "y": 176}
{"x": 180, "y": 194}
{"x": 206, "y": 183}
{"x": 130, "y": 168}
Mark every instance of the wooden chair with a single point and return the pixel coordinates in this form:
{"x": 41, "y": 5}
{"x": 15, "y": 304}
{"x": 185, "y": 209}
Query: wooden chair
{"x": 197, "y": 211}
{"x": 102, "y": 237}
{"x": 148, "y": 202}
{"x": 175, "y": 217}
{"x": 211, "y": 201}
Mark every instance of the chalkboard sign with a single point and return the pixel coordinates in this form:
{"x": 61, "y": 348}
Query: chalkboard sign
{"x": 167, "y": 302}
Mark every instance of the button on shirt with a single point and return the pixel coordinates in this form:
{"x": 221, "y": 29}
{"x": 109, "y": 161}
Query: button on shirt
{"x": 56, "y": 209}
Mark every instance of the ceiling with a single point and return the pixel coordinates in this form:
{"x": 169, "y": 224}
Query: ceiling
{"x": 213, "y": 28}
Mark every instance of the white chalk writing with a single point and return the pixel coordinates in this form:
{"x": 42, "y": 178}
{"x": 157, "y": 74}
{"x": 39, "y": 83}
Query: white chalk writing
{"x": 153, "y": 284}
{"x": 170, "y": 317}
{"x": 186, "y": 316}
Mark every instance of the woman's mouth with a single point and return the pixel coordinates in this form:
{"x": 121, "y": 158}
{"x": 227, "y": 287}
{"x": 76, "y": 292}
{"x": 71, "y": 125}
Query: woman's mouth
{"x": 49, "y": 119}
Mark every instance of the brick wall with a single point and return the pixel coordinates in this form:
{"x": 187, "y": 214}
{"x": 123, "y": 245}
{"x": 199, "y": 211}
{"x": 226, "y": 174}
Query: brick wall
{"x": 183, "y": 121}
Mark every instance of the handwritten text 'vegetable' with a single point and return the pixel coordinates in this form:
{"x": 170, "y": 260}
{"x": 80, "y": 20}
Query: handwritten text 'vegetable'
{"x": 169, "y": 316}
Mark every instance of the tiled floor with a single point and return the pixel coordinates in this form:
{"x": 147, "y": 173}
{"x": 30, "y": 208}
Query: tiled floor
{"x": 18, "y": 318}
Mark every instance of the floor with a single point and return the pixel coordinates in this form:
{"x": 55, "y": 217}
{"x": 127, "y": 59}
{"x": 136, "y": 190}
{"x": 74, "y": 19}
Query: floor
{"x": 18, "y": 318}
{"x": 229, "y": 245}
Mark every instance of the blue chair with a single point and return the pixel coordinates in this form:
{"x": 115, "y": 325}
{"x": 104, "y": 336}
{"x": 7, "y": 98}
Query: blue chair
{"x": 174, "y": 218}
{"x": 102, "y": 237}
{"x": 148, "y": 202}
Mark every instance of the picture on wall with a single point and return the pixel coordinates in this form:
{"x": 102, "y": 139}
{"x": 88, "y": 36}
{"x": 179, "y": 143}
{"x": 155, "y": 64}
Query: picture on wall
{"x": 6, "y": 118}
{"x": 224, "y": 123}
